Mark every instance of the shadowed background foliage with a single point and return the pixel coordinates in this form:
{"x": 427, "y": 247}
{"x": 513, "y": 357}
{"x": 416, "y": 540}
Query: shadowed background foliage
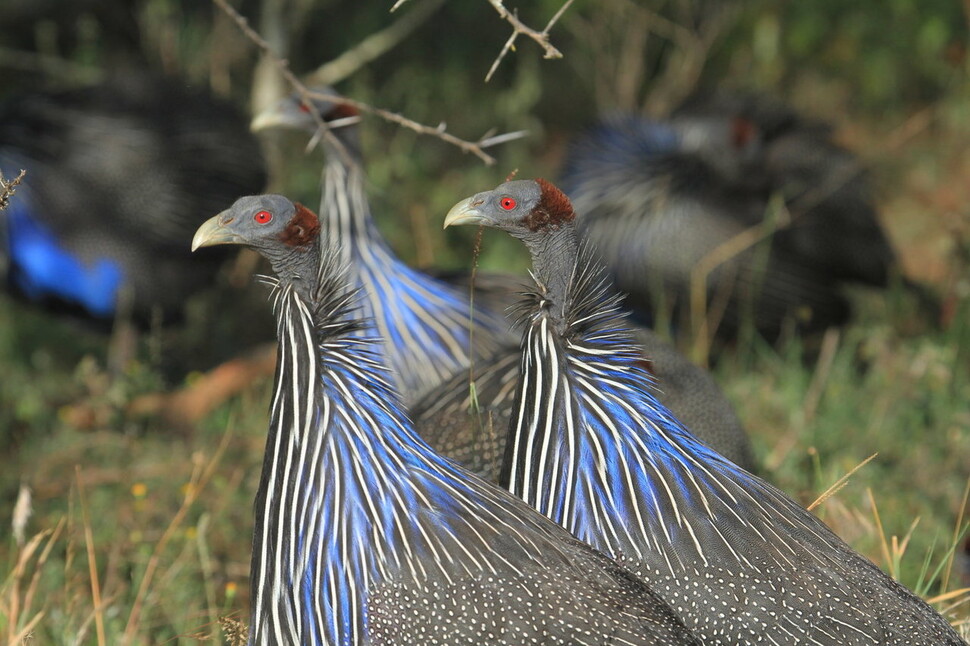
{"x": 164, "y": 507}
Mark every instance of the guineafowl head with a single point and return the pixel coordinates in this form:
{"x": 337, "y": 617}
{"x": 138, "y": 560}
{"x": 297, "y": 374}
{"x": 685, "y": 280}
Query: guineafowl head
{"x": 294, "y": 113}
{"x": 284, "y": 232}
{"x": 526, "y": 209}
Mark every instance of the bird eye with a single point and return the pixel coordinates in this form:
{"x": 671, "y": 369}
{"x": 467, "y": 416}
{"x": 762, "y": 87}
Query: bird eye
{"x": 507, "y": 203}
{"x": 262, "y": 217}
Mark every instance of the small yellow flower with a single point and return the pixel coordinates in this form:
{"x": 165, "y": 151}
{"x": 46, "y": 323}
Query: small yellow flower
{"x": 138, "y": 490}
{"x": 231, "y": 590}
{"x": 190, "y": 533}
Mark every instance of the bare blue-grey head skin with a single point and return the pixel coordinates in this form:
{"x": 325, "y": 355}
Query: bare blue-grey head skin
{"x": 293, "y": 112}
{"x": 592, "y": 448}
{"x": 508, "y": 207}
{"x": 534, "y": 211}
{"x": 287, "y": 234}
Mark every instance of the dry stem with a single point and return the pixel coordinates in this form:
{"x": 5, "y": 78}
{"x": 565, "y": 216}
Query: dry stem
{"x": 519, "y": 28}
{"x": 439, "y": 132}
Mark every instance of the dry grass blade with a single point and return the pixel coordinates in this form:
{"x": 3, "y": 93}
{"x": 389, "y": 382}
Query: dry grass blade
{"x": 197, "y": 483}
{"x": 24, "y": 635}
{"x": 12, "y": 606}
{"x": 236, "y": 632}
{"x": 883, "y": 544}
{"x": 41, "y": 560}
{"x": 98, "y": 611}
{"x": 702, "y": 324}
{"x": 840, "y": 483}
{"x": 949, "y": 596}
{"x": 958, "y": 530}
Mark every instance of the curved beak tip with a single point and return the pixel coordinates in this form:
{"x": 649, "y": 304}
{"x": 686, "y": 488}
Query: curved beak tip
{"x": 463, "y": 213}
{"x": 212, "y": 233}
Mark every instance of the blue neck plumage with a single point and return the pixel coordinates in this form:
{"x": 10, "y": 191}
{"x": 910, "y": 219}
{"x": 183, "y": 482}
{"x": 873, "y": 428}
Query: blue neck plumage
{"x": 339, "y": 485}
{"x": 592, "y": 448}
{"x": 425, "y": 322}
{"x": 41, "y": 267}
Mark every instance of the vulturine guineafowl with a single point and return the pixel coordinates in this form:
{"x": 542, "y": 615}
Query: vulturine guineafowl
{"x": 363, "y": 534}
{"x": 592, "y": 448}
{"x": 119, "y": 176}
{"x": 834, "y": 224}
{"x": 426, "y": 321}
{"x": 684, "y": 208}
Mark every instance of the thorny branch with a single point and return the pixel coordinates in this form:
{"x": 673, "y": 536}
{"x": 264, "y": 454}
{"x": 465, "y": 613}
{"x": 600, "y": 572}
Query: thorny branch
{"x": 519, "y": 28}
{"x": 7, "y": 189}
{"x": 439, "y": 132}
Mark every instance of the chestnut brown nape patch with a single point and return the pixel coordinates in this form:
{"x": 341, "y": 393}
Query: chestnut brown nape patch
{"x": 742, "y": 131}
{"x": 304, "y": 227}
{"x": 342, "y": 111}
{"x": 553, "y": 209}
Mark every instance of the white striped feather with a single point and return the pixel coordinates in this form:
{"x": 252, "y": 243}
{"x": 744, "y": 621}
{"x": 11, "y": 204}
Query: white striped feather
{"x": 596, "y": 452}
{"x": 350, "y": 498}
{"x": 425, "y": 323}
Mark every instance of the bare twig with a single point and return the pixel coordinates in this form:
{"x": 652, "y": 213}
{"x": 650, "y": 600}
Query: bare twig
{"x": 7, "y": 189}
{"x": 92, "y": 563}
{"x": 373, "y": 46}
{"x": 541, "y": 38}
{"x": 307, "y": 96}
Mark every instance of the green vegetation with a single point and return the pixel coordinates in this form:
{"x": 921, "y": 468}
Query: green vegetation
{"x": 141, "y": 526}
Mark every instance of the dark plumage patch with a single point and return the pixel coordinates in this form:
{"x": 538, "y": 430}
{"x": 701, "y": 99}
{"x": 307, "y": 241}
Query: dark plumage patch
{"x": 553, "y": 208}
{"x": 342, "y": 111}
{"x": 303, "y": 228}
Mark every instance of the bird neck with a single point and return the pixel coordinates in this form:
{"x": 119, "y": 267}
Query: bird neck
{"x": 554, "y": 253}
{"x": 590, "y": 446}
{"x": 296, "y": 266}
{"x": 424, "y": 324}
{"x": 345, "y": 211}
{"x": 328, "y": 479}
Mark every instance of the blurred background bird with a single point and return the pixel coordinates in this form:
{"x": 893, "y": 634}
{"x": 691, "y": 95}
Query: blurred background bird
{"x": 119, "y": 175}
{"x": 734, "y": 198}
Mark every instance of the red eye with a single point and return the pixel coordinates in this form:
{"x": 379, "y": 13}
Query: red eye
{"x": 507, "y": 203}
{"x": 262, "y": 217}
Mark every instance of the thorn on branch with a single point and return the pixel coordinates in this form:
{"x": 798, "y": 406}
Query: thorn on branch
{"x": 541, "y": 38}
{"x": 307, "y": 95}
{"x": 7, "y": 189}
